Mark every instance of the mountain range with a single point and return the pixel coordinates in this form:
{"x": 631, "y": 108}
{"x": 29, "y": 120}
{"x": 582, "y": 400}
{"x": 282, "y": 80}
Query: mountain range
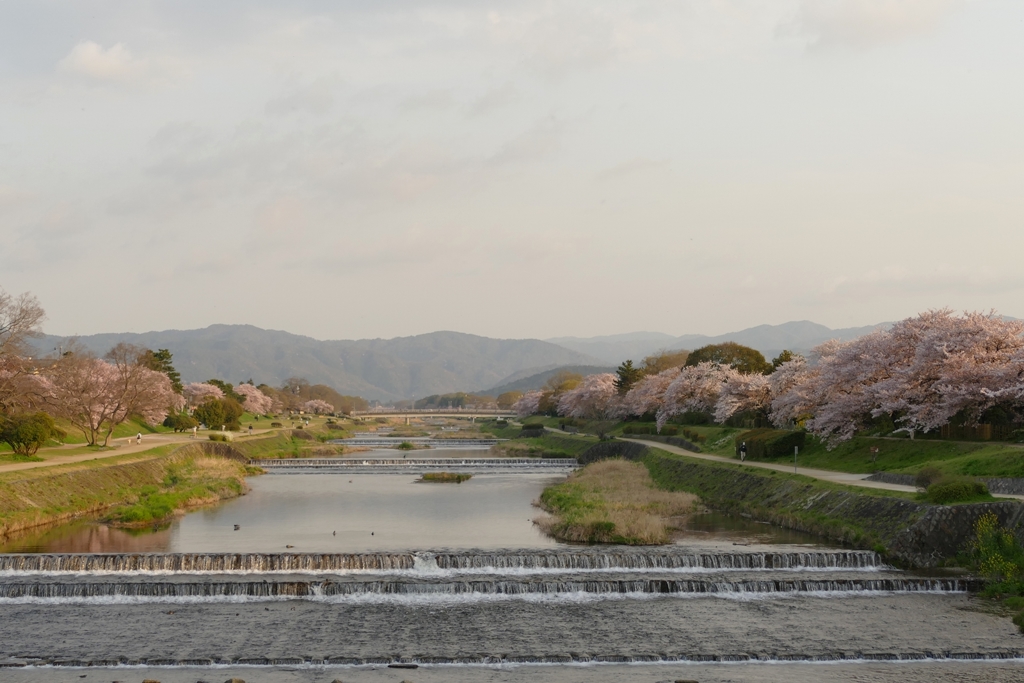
{"x": 800, "y": 336}
{"x": 381, "y": 369}
{"x": 425, "y": 364}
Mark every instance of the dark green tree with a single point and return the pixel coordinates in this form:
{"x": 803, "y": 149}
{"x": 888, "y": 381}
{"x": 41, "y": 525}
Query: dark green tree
{"x": 160, "y": 361}
{"x": 227, "y": 388}
{"x": 25, "y": 433}
{"x": 626, "y": 377}
{"x": 210, "y": 413}
{"x": 743, "y": 358}
{"x": 783, "y": 357}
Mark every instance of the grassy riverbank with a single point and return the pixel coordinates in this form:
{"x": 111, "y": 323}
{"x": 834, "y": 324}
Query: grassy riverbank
{"x": 173, "y": 475}
{"x": 612, "y": 501}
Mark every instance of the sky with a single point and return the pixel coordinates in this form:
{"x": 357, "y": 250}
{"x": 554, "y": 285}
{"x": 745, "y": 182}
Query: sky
{"x": 356, "y": 169}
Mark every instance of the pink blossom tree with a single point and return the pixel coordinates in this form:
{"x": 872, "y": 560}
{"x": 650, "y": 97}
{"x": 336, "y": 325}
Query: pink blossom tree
{"x": 317, "y": 407}
{"x": 256, "y": 402}
{"x": 591, "y": 398}
{"x": 922, "y": 372}
{"x": 742, "y": 393}
{"x": 528, "y": 403}
{"x": 696, "y": 388}
{"x": 98, "y": 395}
{"x": 198, "y": 393}
{"x": 648, "y": 395}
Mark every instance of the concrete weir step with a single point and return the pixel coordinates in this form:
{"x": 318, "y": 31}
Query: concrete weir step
{"x": 406, "y": 464}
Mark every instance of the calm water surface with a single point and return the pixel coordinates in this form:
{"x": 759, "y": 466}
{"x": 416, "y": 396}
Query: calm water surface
{"x": 342, "y": 513}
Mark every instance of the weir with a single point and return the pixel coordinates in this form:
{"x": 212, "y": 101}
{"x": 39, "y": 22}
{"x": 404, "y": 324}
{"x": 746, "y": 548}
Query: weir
{"x": 313, "y": 589}
{"x": 618, "y": 558}
{"x": 377, "y": 465}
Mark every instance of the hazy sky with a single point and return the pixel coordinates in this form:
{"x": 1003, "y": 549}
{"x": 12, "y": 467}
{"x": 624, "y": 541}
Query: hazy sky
{"x": 515, "y": 169}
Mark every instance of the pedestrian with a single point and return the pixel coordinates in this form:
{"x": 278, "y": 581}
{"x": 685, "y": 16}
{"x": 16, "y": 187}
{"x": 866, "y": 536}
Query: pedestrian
{"x": 250, "y": 430}
{"x": 194, "y": 430}
{"x": 743, "y": 451}
{"x": 138, "y": 438}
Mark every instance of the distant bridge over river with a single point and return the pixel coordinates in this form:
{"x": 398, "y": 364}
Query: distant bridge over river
{"x": 439, "y": 412}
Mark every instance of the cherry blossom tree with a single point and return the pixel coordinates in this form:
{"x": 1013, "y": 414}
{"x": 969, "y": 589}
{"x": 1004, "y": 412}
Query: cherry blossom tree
{"x": 591, "y": 398}
{"x": 789, "y": 385}
{"x": 922, "y": 372}
{"x": 742, "y": 393}
{"x": 696, "y": 388}
{"x": 946, "y": 365}
{"x": 647, "y": 395}
{"x": 317, "y": 407}
{"x": 98, "y": 395}
{"x": 256, "y": 402}
{"x": 198, "y": 393}
{"x": 528, "y": 403}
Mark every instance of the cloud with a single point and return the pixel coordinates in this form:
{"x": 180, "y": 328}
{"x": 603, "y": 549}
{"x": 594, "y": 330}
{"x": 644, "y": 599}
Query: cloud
{"x": 433, "y": 99}
{"x": 866, "y": 23}
{"x": 494, "y": 99}
{"x": 89, "y": 59}
{"x": 540, "y": 141}
{"x": 315, "y": 98}
{"x": 638, "y": 165}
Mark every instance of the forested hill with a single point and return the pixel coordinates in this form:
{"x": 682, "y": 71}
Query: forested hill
{"x": 384, "y": 369}
{"x": 799, "y": 335}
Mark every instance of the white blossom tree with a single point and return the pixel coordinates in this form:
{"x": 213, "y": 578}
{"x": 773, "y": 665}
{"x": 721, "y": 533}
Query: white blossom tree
{"x": 317, "y": 407}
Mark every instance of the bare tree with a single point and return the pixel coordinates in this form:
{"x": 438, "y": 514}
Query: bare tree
{"x": 20, "y": 318}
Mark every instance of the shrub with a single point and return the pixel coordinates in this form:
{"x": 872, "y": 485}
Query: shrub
{"x": 948, "y": 491}
{"x": 180, "y": 422}
{"x": 219, "y": 436}
{"x": 446, "y": 477}
{"x": 770, "y": 443}
{"x": 406, "y": 446}
{"x": 276, "y": 424}
{"x": 26, "y": 433}
{"x": 927, "y": 476}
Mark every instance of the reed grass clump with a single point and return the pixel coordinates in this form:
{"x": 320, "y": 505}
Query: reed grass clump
{"x": 613, "y": 501}
{"x": 446, "y": 477}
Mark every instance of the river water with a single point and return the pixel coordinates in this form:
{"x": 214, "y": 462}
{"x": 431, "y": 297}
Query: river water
{"x": 334, "y": 576}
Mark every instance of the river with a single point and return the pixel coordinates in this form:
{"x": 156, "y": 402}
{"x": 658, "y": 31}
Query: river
{"x": 334, "y": 576}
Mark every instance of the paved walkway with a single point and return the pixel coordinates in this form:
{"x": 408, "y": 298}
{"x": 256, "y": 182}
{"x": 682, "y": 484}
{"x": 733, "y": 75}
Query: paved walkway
{"x": 845, "y": 478}
{"x": 119, "y": 447}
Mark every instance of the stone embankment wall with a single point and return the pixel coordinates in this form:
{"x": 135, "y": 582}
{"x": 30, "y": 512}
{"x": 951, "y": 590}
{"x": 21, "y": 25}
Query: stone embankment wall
{"x": 912, "y": 533}
{"x": 997, "y": 485}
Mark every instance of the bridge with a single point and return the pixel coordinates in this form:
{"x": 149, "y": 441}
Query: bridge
{"x": 438, "y": 412}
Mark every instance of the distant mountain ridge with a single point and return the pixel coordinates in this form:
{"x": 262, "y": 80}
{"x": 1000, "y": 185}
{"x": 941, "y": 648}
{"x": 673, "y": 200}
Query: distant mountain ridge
{"x": 425, "y": 364}
{"x": 799, "y": 335}
{"x": 382, "y": 369}
{"x": 523, "y": 381}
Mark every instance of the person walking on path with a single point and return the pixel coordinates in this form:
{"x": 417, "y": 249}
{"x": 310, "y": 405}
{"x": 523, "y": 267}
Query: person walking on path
{"x": 138, "y": 438}
{"x": 743, "y": 451}
{"x": 194, "y": 430}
